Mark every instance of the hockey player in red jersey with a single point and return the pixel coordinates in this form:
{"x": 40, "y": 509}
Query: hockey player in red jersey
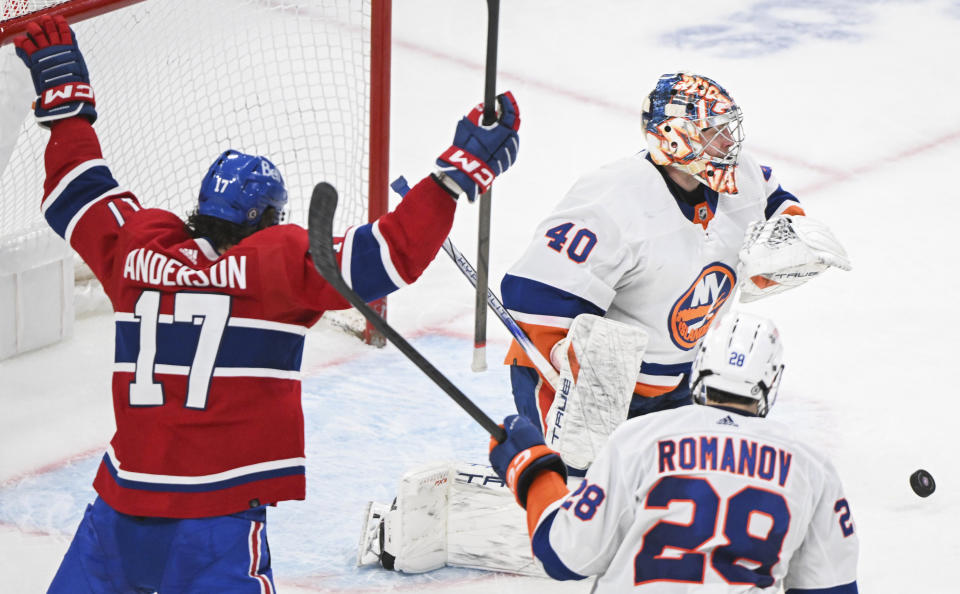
{"x": 711, "y": 498}
{"x": 211, "y": 318}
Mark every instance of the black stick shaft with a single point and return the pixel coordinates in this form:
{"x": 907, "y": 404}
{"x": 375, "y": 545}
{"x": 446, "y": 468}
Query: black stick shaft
{"x": 483, "y": 228}
{"x": 323, "y": 205}
{"x": 490, "y": 72}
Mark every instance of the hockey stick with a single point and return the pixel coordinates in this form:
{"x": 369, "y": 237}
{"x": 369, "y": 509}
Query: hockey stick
{"x": 323, "y": 205}
{"x": 547, "y": 370}
{"x": 539, "y": 361}
{"x": 483, "y": 229}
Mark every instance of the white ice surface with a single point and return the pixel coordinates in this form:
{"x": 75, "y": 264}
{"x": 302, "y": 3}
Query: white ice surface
{"x": 852, "y": 103}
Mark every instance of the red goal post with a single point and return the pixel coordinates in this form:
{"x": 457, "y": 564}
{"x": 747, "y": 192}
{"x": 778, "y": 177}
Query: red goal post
{"x": 304, "y": 82}
{"x": 17, "y": 13}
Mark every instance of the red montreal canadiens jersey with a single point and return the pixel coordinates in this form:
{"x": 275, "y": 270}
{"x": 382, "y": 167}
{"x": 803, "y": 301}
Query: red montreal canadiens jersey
{"x": 206, "y": 375}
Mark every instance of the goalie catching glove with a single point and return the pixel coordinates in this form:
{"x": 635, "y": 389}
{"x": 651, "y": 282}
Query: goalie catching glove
{"x": 59, "y": 73}
{"x": 481, "y": 152}
{"x": 784, "y": 252}
{"x": 522, "y": 456}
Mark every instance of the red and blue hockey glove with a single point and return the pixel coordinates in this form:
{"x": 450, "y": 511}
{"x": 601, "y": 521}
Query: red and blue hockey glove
{"x": 59, "y": 73}
{"x": 523, "y": 456}
{"x": 480, "y": 153}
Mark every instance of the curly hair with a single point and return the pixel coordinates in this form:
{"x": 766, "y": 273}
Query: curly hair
{"x": 224, "y": 234}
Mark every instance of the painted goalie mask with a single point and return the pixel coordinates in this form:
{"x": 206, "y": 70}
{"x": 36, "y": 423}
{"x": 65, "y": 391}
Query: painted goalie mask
{"x": 691, "y": 123}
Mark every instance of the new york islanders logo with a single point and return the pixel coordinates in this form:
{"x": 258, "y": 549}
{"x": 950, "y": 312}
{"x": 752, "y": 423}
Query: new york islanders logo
{"x": 694, "y": 311}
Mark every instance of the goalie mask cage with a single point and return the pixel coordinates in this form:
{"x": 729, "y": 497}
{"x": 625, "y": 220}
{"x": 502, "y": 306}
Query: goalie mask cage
{"x": 302, "y": 82}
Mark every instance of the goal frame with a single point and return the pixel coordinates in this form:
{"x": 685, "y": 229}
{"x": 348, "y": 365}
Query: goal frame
{"x": 379, "y": 122}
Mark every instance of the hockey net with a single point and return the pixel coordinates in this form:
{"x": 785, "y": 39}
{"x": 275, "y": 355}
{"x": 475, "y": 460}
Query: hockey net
{"x": 303, "y": 82}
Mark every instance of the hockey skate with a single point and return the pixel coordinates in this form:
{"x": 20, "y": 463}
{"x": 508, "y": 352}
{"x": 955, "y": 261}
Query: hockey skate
{"x": 370, "y": 547}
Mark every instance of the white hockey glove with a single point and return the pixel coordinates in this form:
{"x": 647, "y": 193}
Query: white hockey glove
{"x": 784, "y": 252}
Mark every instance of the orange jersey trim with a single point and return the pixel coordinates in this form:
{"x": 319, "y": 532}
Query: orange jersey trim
{"x": 651, "y": 391}
{"x": 542, "y": 337}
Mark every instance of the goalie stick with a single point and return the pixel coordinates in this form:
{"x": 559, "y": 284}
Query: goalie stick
{"x": 323, "y": 205}
{"x": 483, "y": 229}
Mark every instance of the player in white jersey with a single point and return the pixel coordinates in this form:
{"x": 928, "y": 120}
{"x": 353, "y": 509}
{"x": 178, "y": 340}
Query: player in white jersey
{"x": 714, "y": 498}
{"x": 652, "y": 241}
{"x": 619, "y": 285}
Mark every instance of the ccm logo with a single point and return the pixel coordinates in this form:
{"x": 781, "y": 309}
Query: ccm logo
{"x": 67, "y": 93}
{"x": 472, "y": 166}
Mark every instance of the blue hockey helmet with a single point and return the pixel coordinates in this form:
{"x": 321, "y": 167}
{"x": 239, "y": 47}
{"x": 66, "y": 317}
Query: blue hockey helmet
{"x": 239, "y": 188}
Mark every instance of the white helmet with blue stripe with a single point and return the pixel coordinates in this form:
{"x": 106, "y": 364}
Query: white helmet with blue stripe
{"x": 741, "y": 356}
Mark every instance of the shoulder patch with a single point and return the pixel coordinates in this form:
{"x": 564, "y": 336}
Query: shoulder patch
{"x": 766, "y": 172}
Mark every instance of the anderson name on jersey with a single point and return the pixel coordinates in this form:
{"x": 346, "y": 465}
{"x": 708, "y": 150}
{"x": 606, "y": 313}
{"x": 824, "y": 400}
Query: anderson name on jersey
{"x": 206, "y": 376}
{"x": 703, "y": 499}
{"x": 620, "y": 244}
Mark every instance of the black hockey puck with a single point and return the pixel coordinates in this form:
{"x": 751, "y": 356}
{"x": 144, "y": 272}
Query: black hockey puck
{"x": 922, "y": 483}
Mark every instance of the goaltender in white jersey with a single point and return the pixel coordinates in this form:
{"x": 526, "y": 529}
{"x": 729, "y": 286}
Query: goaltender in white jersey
{"x": 654, "y": 241}
{"x": 618, "y": 287}
{"x": 707, "y": 499}
{"x": 646, "y": 264}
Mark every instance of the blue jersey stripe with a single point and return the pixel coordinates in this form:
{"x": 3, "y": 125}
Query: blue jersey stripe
{"x": 850, "y": 588}
{"x": 529, "y": 296}
{"x": 239, "y": 347}
{"x": 778, "y": 197}
{"x": 374, "y": 283}
{"x": 200, "y": 488}
{"x": 543, "y": 551}
{"x": 90, "y": 184}
{"x": 675, "y": 398}
{"x": 660, "y": 369}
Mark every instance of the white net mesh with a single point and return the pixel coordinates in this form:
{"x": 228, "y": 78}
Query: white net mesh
{"x": 179, "y": 81}
{"x": 15, "y": 8}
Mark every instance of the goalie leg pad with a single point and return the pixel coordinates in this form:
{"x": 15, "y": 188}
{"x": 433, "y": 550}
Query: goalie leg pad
{"x": 486, "y": 529}
{"x": 599, "y": 363}
{"x": 447, "y": 514}
{"x": 411, "y": 536}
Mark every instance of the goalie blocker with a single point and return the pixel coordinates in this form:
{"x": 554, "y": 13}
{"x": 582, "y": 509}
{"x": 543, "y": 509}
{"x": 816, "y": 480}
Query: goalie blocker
{"x": 462, "y": 514}
{"x": 599, "y": 361}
